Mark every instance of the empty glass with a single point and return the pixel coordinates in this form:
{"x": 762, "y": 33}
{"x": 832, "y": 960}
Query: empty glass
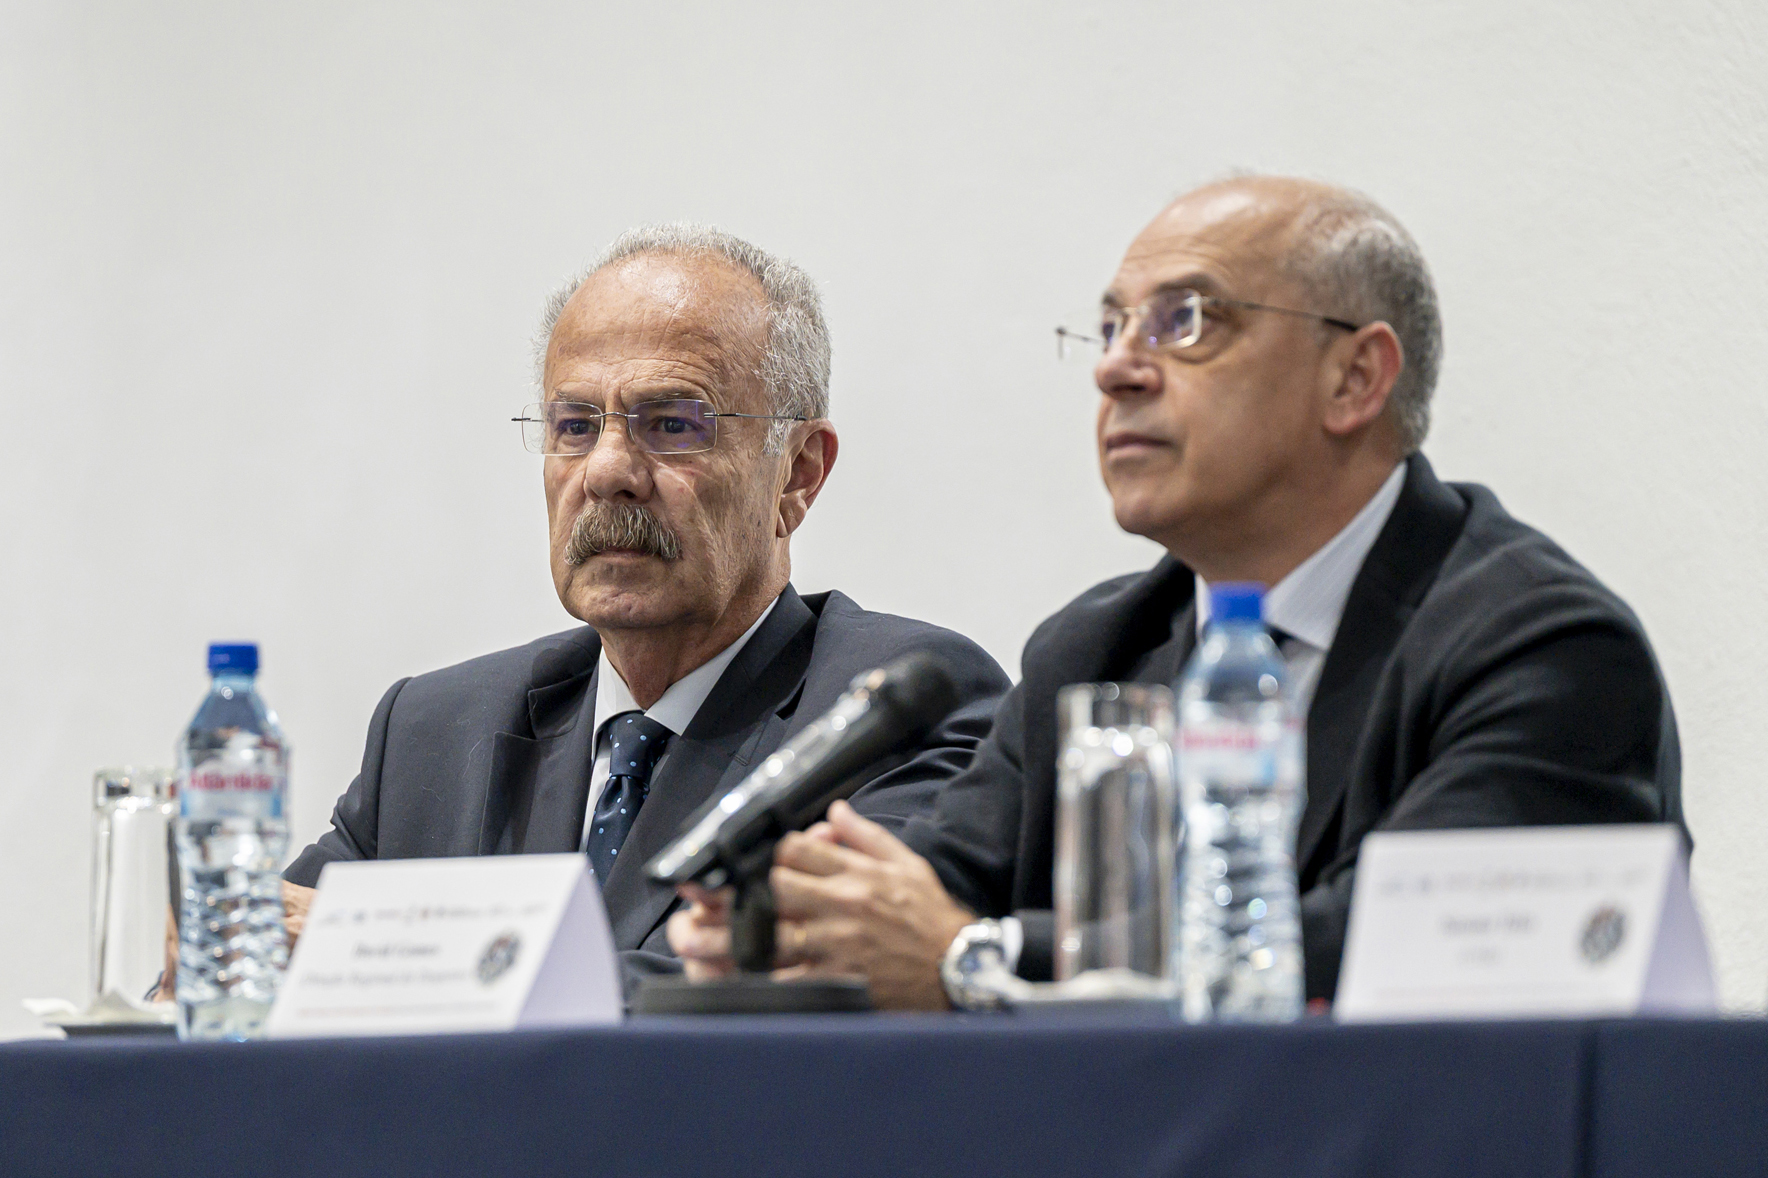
{"x": 1116, "y": 829}
{"x": 131, "y": 881}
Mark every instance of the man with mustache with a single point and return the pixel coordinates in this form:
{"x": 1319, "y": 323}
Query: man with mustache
{"x": 1267, "y": 354}
{"x": 684, "y": 435}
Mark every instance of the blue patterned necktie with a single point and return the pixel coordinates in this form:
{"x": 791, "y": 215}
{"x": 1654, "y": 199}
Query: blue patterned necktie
{"x": 637, "y": 742}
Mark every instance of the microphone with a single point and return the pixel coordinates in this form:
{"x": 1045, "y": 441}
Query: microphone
{"x": 883, "y": 710}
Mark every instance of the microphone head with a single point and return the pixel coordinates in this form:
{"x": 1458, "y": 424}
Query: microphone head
{"x": 918, "y": 687}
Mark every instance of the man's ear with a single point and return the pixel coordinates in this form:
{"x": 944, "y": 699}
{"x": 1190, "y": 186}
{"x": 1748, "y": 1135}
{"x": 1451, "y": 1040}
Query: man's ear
{"x": 812, "y": 458}
{"x": 1360, "y": 373}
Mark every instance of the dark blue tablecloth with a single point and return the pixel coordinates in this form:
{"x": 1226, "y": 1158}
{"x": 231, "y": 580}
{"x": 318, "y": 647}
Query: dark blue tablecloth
{"x": 863, "y": 1095}
{"x": 1680, "y": 1098}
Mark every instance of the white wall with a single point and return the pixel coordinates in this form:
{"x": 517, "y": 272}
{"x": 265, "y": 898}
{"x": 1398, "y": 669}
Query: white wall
{"x": 268, "y": 274}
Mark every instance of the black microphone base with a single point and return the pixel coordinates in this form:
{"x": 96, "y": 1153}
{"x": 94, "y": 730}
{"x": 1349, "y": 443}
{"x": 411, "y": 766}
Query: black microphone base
{"x": 750, "y": 994}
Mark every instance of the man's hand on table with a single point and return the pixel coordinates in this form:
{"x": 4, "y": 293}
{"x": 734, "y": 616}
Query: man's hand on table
{"x": 295, "y": 902}
{"x": 853, "y": 901}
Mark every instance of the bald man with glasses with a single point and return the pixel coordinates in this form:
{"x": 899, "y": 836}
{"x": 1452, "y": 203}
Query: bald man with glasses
{"x": 1265, "y": 357}
{"x": 683, "y": 437}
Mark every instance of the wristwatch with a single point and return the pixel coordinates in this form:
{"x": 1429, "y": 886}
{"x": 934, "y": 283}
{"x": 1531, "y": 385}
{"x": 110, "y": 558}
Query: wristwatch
{"x": 975, "y": 967}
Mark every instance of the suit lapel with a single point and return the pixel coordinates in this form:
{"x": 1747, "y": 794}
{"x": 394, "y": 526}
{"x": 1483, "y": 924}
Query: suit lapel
{"x": 1396, "y": 574}
{"x": 539, "y": 782}
{"x": 1145, "y": 620}
{"x": 1168, "y": 659}
{"x": 1110, "y": 639}
{"x": 744, "y": 719}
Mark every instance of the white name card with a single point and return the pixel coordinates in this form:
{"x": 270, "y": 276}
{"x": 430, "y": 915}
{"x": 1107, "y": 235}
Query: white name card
{"x": 1523, "y": 922}
{"x": 425, "y": 946}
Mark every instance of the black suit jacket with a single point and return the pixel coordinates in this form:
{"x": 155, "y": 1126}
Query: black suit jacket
{"x": 1479, "y": 677}
{"x": 493, "y": 756}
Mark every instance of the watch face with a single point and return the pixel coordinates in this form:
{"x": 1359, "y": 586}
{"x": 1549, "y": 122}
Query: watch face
{"x": 977, "y": 948}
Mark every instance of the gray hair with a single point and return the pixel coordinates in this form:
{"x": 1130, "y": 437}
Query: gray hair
{"x": 794, "y": 364}
{"x": 1358, "y": 261}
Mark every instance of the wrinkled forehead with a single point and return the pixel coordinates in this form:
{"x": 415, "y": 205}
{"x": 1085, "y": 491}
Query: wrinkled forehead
{"x": 661, "y": 311}
{"x": 1227, "y": 240}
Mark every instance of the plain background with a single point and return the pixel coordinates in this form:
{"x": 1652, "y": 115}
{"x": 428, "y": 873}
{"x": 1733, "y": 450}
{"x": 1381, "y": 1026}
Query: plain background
{"x": 268, "y": 277}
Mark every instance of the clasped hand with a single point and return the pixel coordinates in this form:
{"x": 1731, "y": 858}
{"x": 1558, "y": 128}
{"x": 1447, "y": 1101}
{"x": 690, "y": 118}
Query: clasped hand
{"x": 853, "y": 901}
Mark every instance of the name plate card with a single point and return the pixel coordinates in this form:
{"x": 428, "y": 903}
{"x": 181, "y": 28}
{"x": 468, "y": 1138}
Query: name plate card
{"x": 427, "y": 946}
{"x": 1523, "y": 922}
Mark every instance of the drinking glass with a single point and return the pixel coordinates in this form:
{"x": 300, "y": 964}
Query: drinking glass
{"x": 132, "y": 873}
{"x": 1116, "y": 829}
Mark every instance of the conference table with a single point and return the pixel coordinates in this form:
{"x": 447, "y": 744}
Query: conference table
{"x": 1101, "y": 1092}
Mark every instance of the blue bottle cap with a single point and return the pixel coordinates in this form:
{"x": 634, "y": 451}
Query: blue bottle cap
{"x": 1236, "y": 601}
{"x": 238, "y": 657}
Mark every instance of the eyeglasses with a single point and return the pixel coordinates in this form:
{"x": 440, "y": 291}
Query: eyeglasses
{"x": 1171, "y": 319}
{"x": 657, "y": 427}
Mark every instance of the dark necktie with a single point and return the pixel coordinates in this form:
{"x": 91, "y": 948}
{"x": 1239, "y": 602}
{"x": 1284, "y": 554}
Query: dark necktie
{"x": 637, "y": 742}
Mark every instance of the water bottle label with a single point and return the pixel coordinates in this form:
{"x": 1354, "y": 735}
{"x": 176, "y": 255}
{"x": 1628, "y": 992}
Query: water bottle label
{"x": 1235, "y": 753}
{"x": 211, "y": 781}
{"x": 230, "y": 792}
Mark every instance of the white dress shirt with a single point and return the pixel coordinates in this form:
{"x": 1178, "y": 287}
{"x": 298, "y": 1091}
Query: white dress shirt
{"x": 1309, "y": 603}
{"x": 675, "y": 710}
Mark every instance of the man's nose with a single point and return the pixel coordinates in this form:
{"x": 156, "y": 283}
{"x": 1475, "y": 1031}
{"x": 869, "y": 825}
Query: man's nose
{"x": 615, "y": 468}
{"x": 1127, "y": 369}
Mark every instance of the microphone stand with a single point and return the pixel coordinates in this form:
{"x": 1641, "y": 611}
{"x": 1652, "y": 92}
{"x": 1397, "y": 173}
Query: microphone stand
{"x": 754, "y": 915}
{"x": 753, "y": 923}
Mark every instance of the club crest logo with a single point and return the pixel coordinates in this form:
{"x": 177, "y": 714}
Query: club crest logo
{"x": 498, "y": 956}
{"x": 1606, "y": 929}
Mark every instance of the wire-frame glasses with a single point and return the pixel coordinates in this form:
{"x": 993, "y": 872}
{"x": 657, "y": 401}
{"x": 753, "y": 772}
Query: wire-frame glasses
{"x": 1171, "y": 319}
{"x": 571, "y": 428}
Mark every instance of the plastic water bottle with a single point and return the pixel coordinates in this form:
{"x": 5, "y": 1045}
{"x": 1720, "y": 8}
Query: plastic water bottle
{"x": 1240, "y": 784}
{"x": 232, "y": 832}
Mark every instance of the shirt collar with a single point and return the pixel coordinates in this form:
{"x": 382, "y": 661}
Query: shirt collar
{"x": 1309, "y": 602}
{"x": 678, "y": 705}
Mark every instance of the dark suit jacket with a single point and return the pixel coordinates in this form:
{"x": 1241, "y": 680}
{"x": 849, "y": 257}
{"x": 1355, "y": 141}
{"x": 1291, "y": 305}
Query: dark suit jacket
{"x": 493, "y": 756}
{"x": 1479, "y": 677}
